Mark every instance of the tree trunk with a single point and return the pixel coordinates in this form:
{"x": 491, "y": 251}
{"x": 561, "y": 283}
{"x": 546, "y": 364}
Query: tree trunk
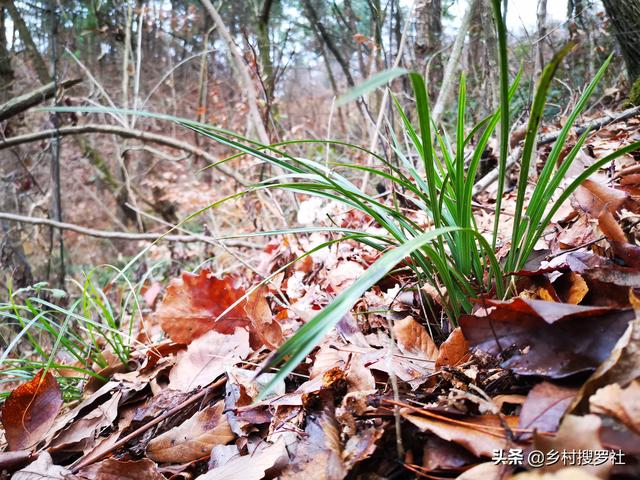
{"x": 541, "y": 18}
{"x": 453, "y": 63}
{"x": 13, "y": 261}
{"x": 264, "y": 47}
{"x": 428, "y": 14}
{"x": 36, "y": 59}
{"x": 625, "y": 19}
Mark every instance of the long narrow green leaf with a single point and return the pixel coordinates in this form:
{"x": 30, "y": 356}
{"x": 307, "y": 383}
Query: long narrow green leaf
{"x": 370, "y": 84}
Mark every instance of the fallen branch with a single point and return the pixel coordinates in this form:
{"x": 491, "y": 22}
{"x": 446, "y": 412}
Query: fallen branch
{"x": 149, "y": 236}
{"x": 124, "y": 133}
{"x": 492, "y": 176}
{"x": 24, "y": 102}
{"x": 201, "y": 395}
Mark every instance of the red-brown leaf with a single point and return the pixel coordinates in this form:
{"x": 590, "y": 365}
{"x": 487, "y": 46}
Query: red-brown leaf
{"x": 30, "y": 411}
{"x": 193, "y": 302}
{"x": 453, "y": 351}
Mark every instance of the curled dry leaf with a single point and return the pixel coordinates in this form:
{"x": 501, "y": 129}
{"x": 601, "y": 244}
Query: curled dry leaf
{"x": 41, "y": 469}
{"x": 253, "y": 466}
{"x": 263, "y": 323}
{"x": 414, "y": 340}
{"x": 81, "y": 435}
{"x": 610, "y": 227}
{"x": 480, "y": 435}
{"x": 30, "y": 411}
{"x": 453, "y": 351}
{"x": 594, "y": 197}
{"x": 208, "y": 357}
{"x": 551, "y": 339}
{"x": 193, "y": 303}
{"x": 623, "y": 404}
{"x": 575, "y": 433}
{"x": 194, "y": 438}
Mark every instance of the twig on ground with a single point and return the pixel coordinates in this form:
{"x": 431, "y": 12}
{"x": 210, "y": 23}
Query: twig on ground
{"x": 149, "y": 236}
{"x": 136, "y": 433}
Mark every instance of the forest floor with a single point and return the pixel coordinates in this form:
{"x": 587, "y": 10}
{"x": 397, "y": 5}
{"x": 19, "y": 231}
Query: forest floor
{"x": 546, "y": 383}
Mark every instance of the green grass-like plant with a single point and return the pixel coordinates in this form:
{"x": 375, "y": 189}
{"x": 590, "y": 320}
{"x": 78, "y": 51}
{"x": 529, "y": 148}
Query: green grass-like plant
{"x": 451, "y": 255}
{"x": 71, "y": 338}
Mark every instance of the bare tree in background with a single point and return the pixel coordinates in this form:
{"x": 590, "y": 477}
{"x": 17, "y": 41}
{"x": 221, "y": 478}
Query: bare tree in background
{"x": 625, "y": 20}
{"x": 428, "y": 41}
{"x": 541, "y": 20}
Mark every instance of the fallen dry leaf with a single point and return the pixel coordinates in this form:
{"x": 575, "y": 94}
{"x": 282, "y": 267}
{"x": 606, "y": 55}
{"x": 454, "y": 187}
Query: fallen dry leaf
{"x": 610, "y": 227}
{"x": 361, "y": 446}
{"x": 594, "y": 197}
{"x": 192, "y": 439}
{"x": 575, "y": 433}
{"x": 545, "y": 405}
{"x": 12, "y": 461}
{"x": 480, "y": 435}
{"x": 623, "y": 404}
{"x": 253, "y": 466}
{"x": 112, "y": 469}
{"x": 263, "y": 322}
{"x": 208, "y": 357}
{"x": 81, "y": 435}
{"x": 414, "y": 340}
{"x": 30, "y": 411}
{"x": 622, "y": 366}
{"x": 486, "y": 471}
{"x": 41, "y": 469}
{"x": 194, "y": 301}
{"x": 552, "y": 339}
{"x": 571, "y": 473}
{"x": 439, "y": 454}
{"x": 453, "y": 351}
{"x": 320, "y": 452}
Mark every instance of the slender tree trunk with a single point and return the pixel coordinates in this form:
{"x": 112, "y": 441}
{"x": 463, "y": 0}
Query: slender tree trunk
{"x": 264, "y": 47}
{"x": 541, "y": 18}
{"x": 452, "y": 64}
{"x": 36, "y": 59}
{"x": 429, "y": 40}
{"x": 625, "y": 21}
{"x": 13, "y": 261}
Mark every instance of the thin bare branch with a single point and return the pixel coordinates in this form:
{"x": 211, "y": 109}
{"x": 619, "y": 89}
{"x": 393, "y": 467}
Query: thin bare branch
{"x": 124, "y": 133}
{"x": 148, "y": 236}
